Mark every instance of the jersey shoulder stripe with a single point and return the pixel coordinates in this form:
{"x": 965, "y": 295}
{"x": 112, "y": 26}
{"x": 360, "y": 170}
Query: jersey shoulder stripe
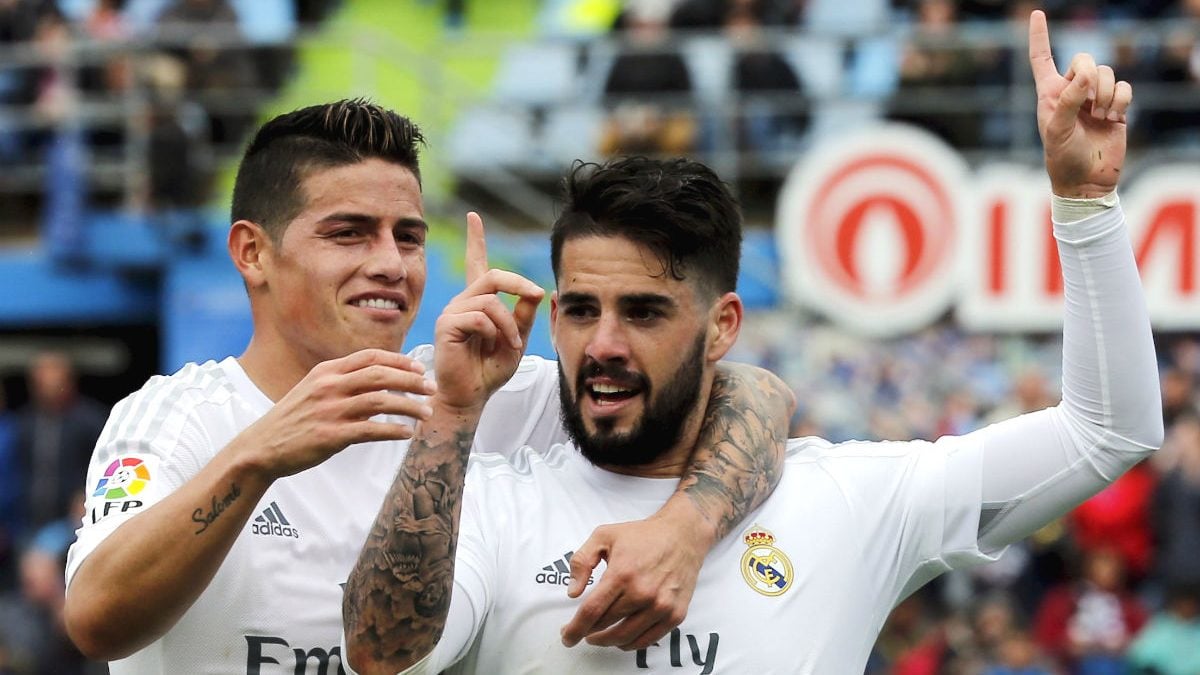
{"x": 152, "y": 418}
{"x": 521, "y": 464}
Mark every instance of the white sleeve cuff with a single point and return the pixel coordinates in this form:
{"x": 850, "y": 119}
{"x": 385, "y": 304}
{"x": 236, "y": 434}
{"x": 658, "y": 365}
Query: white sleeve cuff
{"x": 1069, "y": 210}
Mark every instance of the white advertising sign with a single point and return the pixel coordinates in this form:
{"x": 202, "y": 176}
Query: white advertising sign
{"x": 885, "y": 230}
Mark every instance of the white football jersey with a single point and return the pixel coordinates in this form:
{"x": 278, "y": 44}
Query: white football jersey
{"x": 803, "y": 586}
{"x": 275, "y": 604}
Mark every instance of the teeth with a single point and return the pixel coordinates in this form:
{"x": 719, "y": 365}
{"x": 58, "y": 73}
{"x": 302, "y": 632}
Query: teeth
{"x": 608, "y": 389}
{"x": 378, "y": 303}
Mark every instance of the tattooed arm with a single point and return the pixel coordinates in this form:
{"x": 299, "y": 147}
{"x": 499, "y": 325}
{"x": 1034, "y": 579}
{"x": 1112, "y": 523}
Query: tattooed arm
{"x": 740, "y": 453}
{"x": 398, "y": 595}
{"x": 653, "y": 564}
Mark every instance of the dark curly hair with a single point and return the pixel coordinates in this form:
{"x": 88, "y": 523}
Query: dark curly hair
{"x": 678, "y": 208}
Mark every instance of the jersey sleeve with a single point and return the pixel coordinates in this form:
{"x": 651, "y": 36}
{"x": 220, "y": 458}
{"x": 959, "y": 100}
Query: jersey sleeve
{"x": 1038, "y": 466}
{"x": 524, "y": 412}
{"x": 992, "y": 487}
{"x": 150, "y": 446}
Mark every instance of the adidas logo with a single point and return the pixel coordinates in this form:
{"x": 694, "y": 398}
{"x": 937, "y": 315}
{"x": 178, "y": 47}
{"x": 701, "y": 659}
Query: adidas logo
{"x": 558, "y": 573}
{"x": 272, "y": 523}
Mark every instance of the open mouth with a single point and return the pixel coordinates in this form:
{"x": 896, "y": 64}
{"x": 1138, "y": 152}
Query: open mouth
{"x": 378, "y": 303}
{"x": 609, "y": 394}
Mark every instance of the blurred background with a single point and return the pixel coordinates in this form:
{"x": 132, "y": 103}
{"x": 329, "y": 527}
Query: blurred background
{"x": 121, "y": 122}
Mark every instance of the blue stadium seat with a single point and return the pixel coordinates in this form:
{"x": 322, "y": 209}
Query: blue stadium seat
{"x": 488, "y": 136}
{"x": 572, "y": 132}
{"x": 537, "y": 74}
{"x": 817, "y": 60}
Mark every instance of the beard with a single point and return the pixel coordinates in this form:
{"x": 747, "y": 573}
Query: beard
{"x": 661, "y": 423}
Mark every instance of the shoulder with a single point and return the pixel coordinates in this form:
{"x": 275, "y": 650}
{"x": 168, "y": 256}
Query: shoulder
{"x": 813, "y": 448}
{"x": 191, "y": 384}
{"x": 168, "y": 402}
{"x": 526, "y": 465}
{"x": 859, "y": 457}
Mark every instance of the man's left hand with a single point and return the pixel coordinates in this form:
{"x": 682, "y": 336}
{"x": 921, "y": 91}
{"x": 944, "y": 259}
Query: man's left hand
{"x": 652, "y": 569}
{"x": 1081, "y": 118}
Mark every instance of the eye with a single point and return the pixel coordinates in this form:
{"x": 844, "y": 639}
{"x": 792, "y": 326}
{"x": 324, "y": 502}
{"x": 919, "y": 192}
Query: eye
{"x": 410, "y": 237}
{"x": 643, "y": 314}
{"x": 346, "y": 233}
{"x": 579, "y": 311}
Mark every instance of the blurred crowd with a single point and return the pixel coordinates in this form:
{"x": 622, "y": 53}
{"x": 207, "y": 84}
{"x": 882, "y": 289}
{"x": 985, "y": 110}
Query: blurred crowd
{"x": 85, "y": 82}
{"x": 946, "y": 65}
{"x": 45, "y": 446}
{"x": 1113, "y": 587}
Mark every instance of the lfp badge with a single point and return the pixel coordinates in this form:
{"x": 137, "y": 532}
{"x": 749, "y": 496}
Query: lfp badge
{"x": 125, "y": 477}
{"x": 765, "y": 568}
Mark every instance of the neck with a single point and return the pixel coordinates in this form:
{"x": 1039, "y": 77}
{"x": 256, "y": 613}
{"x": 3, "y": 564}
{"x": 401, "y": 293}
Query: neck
{"x": 673, "y": 462}
{"x": 274, "y": 371}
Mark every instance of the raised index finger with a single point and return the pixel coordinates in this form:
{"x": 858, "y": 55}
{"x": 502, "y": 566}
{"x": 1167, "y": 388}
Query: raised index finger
{"x": 477, "y": 261}
{"x": 1040, "y": 58}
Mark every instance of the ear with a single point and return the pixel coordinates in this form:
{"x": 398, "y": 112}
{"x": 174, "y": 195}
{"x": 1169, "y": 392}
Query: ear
{"x": 725, "y": 325}
{"x": 248, "y": 246}
{"x": 553, "y": 319}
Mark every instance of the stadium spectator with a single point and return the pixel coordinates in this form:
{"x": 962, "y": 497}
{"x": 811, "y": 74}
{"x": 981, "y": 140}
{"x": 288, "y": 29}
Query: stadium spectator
{"x": 1175, "y": 506}
{"x": 772, "y": 111}
{"x": 55, "y": 436}
{"x": 940, "y": 70}
{"x": 178, "y": 145}
{"x": 1017, "y": 654}
{"x": 1086, "y": 625}
{"x": 106, "y": 27}
{"x": 1175, "y": 76}
{"x": 1178, "y": 392}
{"x": 1118, "y": 519}
{"x": 1170, "y": 643}
{"x": 219, "y": 66}
{"x": 648, "y": 67}
{"x": 10, "y": 513}
{"x": 31, "y": 622}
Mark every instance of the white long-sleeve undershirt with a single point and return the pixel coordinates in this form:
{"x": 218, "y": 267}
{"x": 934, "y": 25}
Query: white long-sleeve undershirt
{"x": 1038, "y": 466}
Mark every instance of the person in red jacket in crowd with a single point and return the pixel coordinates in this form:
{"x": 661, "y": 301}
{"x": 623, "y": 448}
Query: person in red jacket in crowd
{"x": 1088, "y": 624}
{"x": 1118, "y": 518}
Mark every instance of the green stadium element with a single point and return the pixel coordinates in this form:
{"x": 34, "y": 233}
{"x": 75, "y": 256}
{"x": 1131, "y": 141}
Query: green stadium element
{"x": 403, "y": 55}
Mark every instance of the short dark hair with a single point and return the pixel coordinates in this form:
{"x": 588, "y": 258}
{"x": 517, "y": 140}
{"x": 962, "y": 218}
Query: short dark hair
{"x": 286, "y": 149}
{"x": 678, "y": 208}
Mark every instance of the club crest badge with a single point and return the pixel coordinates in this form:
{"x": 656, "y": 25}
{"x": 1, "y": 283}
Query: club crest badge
{"x": 764, "y": 567}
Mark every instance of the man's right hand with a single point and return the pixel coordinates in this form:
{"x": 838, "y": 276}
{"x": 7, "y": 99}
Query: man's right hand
{"x": 333, "y": 406}
{"x": 479, "y": 340}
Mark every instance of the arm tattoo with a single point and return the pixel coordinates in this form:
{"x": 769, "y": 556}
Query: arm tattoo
{"x": 218, "y": 507}
{"x": 398, "y": 595}
{"x": 739, "y": 456}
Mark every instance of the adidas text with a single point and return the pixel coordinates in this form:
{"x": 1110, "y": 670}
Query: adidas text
{"x": 275, "y": 529}
{"x": 556, "y": 579}
{"x": 272, "y": 522}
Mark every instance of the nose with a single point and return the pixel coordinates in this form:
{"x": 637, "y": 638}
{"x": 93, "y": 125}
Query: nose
{"x": 386, "y": 262}
{"x": 608, "y": 341}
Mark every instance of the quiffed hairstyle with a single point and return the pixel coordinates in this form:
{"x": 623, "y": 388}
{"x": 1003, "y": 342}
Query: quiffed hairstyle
{"x": 268, "y": 189}
{"x": 677, "y": 208}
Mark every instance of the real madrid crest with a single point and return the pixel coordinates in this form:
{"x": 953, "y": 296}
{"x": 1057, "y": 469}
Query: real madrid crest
{"x": 765, "y": 568}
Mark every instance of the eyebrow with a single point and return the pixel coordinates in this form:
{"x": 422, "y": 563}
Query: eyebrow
{"x": 632, "y": 300}
{"x": 647, "y": 300}
{"x": 364, "y": 219}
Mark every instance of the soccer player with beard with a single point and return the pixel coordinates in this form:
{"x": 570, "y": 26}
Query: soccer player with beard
{"x": 645, "y": 256}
